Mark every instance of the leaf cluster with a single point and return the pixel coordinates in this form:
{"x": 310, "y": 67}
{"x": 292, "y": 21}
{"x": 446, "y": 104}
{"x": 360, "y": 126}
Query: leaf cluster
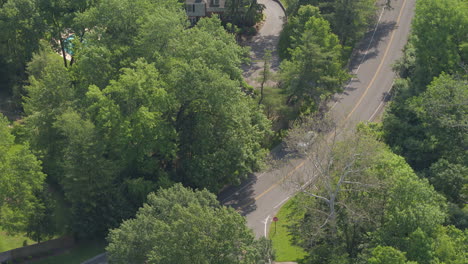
{"x": 178, "y": 225}
{"x": 427, "y": 121}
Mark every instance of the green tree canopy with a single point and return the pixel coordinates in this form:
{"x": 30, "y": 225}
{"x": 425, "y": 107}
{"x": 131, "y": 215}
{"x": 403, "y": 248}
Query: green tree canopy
{"x": 49, "y": 94}
{"x": 410, "y": 203}
{"x": 130, "y": 115}
{"x": 449, "y": 179}
{"x": 440, "y": 37}
{"x": 315, "y": 70}
{"x": 432, "y": 125}
{"x": 243, "y": 13}
{"x": 21, "y": 180}
{"x": 362, "y": 195}
{"x": 386, "y": 255}
{"x": 178, "y": 225}
{"x": 147, "y": 101}
{"x": 21, "y": 28}
{"x": 427, "y": 120}
{"x": 291, "y": 34}
{"x": 220, "y": 129}
{"x": 349, "y": 19}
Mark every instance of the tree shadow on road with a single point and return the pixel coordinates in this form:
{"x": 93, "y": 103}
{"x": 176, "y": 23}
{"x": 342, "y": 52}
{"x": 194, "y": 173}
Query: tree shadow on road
{"x": 370, "y": 44}
{"x": 242, "y": 197}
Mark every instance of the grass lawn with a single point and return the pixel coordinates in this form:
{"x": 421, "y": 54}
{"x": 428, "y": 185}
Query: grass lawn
{"x": 287, "y": 215}
{"x": 81, "y": 252}
{"x": 8, "y": 242}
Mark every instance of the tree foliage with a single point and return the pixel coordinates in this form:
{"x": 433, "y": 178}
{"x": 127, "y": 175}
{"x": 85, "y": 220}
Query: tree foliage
{"x": 433, "y": 131}
{"x": 243, "y": 13}
{"x": 178, "y": 225}
{"x": 290, "y": 36}
{"x": 440, "y": 38}
{"x": 349, "y": 19}
{"x": 21, "y": 28}
{"x": 21, "y": 180}
{"x": 387, "y": 255}
{"x": 315, "y": 70}
{"x": 427, "y": 120}
{"x": 147, "y": 101}
{"x": 360, "y": 195}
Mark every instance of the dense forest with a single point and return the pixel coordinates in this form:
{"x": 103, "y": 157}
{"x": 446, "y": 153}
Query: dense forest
{"x": 145, "y": 101}
{"x": 119, "y": 104}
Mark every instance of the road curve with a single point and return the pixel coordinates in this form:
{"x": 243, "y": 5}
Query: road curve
{"x": 259, "y": 197}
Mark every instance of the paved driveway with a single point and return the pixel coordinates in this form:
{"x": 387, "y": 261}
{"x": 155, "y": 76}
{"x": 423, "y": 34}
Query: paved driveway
{"x": 266, "y": 39}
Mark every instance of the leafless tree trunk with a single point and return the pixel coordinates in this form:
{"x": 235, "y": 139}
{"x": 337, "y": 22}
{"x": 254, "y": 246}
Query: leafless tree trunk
{"x": 335, "y": 176}
{"x": 265, "y": 74}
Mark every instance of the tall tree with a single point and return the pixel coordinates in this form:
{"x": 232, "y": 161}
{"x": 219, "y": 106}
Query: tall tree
{"x": 21, "y": 180}
{"x": 243, "y": 12}
{"x": 387, "y": 255}
{"x": 49, "y": 93}
{"x": 210, "y": 45}
{"x": 349, "y": 19}
{"x": 315, "y": 70}
{"x": 178, "y": 225}
{"x": 342, "y": 194}
{"x": 88, "y": 179}
{"x": 21, "y": 28}
{"x": 290, "y": 36}
{"x": 359, "y": 194}
{"x": 132, "y": 117}
{"x": 220, "y": 129}
{"x": 433, "y": 125}
{"x": 352, "y": 19}
{"x": 439, "y": 27}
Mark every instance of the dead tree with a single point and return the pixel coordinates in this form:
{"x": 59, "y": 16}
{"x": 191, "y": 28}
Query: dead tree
{"x": 334, "y": 182}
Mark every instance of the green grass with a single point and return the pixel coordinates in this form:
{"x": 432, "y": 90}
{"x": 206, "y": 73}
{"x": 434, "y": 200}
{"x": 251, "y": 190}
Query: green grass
{"x": 77, "y": 254}
{"x": 8, "y": 242}
{"x": 284, "y": 250}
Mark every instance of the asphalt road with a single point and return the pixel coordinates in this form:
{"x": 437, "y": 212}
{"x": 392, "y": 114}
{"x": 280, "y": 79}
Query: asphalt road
{"x": 363, "y": 99}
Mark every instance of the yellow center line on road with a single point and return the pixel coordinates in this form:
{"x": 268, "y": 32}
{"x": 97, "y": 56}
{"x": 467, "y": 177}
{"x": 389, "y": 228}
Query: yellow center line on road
{"x": 347, "y": 117}
{"x": 380, "y": 65}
